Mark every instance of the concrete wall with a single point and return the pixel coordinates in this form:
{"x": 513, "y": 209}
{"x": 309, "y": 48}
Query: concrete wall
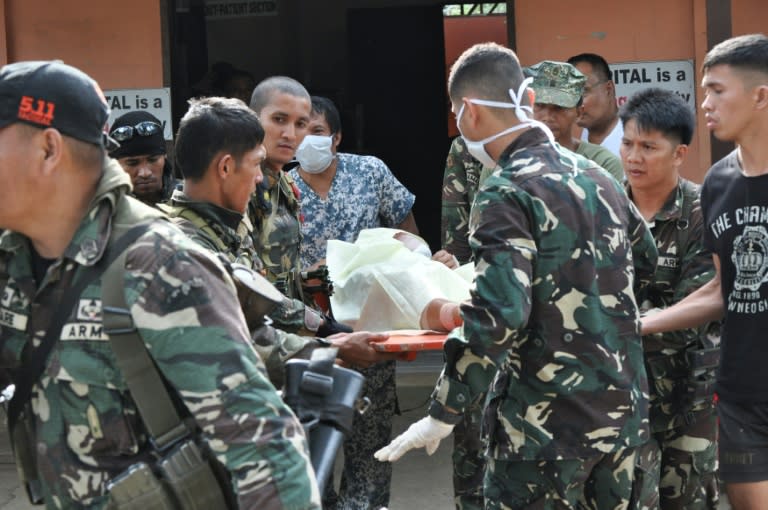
{"x": 117, "y": 43}
{"x": 749, "y": 16}
{"x": 620, "y": 31}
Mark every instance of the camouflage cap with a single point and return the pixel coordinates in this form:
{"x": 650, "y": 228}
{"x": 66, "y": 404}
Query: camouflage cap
{"x": 556, "y": 83}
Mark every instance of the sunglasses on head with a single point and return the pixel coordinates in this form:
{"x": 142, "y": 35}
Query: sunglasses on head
{"x": 146, "y": 128}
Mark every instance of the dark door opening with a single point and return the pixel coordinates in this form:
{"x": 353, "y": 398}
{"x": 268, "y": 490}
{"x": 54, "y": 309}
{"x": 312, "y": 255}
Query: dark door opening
{"x": 397, "y": 84}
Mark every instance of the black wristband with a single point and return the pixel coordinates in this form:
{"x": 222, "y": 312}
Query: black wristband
{"x": 438, "y": 412}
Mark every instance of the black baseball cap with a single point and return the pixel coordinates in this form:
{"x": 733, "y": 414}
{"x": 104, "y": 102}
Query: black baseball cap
{"x": 53, "y": 94}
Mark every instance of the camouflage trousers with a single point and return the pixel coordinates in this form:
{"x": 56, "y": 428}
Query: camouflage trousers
{"x": 365, "y": 481}
{"x": 595, "y": 483}
{"x": 469, "y": 458}
{"x": 677, "y": 468}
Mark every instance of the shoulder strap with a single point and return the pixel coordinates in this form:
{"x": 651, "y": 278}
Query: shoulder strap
{"x": 144, "y": 382}
{"x": 199, "y": 223}
{"x": 39, "y": 356}
{"x": 682, "y": 232}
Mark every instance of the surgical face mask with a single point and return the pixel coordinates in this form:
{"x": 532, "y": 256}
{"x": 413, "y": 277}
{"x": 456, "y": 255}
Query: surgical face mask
{"x": 314, "y": 153}
{"x": 476, "y": 148}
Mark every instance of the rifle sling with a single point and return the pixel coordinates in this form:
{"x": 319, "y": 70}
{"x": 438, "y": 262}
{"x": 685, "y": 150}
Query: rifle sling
{"x": 38, "y": 357}
{"x": 144, "y": 382}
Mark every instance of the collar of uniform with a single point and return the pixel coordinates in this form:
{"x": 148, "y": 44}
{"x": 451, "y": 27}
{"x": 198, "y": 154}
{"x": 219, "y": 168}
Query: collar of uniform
{"x": 673, "y": 205}
{"x": 529, "y": 138}
{"x": 90, "y": 239}
{"x": 271, "y": 176}
{"x": 221, "y": 215}
{"x": 10, "y": 241}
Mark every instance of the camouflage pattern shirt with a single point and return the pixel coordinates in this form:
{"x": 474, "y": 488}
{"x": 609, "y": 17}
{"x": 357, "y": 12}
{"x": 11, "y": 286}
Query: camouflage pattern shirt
{"x": 684, "y": 265}
{"x": 184, "y": 306}
{"x": 460, "y": 183}
{"x": 552, "y": 325}
{"x": 229, "y": 233}
{"x": 276, "y": 219}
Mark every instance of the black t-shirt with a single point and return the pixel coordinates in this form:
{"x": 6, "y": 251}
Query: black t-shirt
{"x": 735, "y": 211}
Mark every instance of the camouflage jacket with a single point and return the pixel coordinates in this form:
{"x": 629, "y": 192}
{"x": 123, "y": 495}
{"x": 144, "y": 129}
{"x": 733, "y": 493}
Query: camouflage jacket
{"x": 460, "y": 183}
{"x": 184, "y": 306}
{"x": 229, "y": 233}
{"x": 684, "y": 265}
{"x": 274, "y": 212}
{"x": 275, "y": 216}
{"x": 552, "y": 325}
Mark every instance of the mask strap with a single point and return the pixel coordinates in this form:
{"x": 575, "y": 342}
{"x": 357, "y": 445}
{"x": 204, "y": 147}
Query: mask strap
{"x": 516, "y": 104}
{"x": 521, "y": 111}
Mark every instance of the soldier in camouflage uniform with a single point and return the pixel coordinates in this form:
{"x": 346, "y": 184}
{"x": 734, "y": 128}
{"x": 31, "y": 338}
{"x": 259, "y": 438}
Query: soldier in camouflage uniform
{"x": 84, "y": 423}
{"x": 211, "y": 209}
{"x": 552, "y": 325}
{"x": 284, "y": 108}
{"x": 283, "y": 105}
{"x": 559, "y": 89}
{"x": 677, "y": 467}
{"x": 461, "y": 180}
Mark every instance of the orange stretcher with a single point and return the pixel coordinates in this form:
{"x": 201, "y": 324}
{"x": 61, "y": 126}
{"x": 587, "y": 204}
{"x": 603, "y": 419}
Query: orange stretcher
{"x": 411, "y": 341}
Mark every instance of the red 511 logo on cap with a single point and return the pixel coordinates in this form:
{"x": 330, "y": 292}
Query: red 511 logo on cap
{"x": 37, "y": 111}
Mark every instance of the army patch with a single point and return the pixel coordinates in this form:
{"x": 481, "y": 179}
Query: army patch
{"x": 13, "y": 320}
{"x": 670, "y": 262}
{"x": 89, "y": 310}
{"x": 84, "y": 331}
{"x": 13, "y": 298}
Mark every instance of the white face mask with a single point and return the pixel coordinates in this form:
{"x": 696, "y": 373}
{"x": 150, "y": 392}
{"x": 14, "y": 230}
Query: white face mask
{"x": 477, "y": 148}
{"x": 314, "y": 153}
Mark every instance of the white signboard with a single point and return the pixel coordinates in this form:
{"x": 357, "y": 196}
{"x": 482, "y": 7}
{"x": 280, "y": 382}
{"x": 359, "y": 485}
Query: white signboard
{"x": 155, "y": 101}
{"x": 675, "y": 75}
{"x": 223, "y": 9}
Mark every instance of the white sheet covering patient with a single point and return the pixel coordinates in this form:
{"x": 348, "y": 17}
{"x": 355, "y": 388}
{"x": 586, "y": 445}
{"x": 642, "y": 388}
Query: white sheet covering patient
{"x": 385, "y": 279}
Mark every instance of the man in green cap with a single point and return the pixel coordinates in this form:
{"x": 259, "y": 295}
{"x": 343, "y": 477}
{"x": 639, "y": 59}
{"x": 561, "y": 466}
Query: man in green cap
{"x": 559, "y": 88}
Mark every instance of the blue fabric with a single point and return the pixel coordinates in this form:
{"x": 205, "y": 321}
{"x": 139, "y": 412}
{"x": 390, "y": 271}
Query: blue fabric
{"x": 364, "y": 194}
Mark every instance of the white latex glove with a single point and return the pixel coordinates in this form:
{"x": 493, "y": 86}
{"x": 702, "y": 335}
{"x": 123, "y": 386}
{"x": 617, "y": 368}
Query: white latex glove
{"x": 427, "y": 433}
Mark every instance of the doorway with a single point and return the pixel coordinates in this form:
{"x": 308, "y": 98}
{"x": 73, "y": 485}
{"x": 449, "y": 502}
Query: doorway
{"x": 397, "y": 86}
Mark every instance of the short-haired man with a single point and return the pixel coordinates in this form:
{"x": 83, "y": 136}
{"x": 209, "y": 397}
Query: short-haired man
{"x": 551, "y": 330}
{"x": 84, "y": 421}
{"x": 284, "y": 107}
{"x": 142, "y": 155}
{"x": 599, "y": 113}
{"x": 219, "y": 150}
{"x": 559, "y": 88}
{"x": 734, "y": 200}
{"x": 676, "y": 468}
